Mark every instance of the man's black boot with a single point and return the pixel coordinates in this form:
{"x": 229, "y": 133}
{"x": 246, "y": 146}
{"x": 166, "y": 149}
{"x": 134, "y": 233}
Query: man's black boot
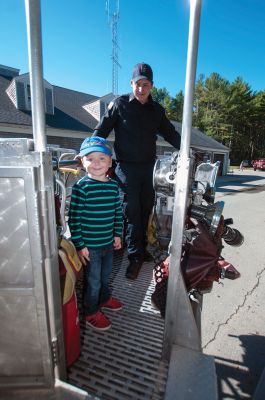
{"x": 133, "y": 269}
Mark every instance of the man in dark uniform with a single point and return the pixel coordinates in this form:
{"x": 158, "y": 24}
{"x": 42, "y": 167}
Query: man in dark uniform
{"x": 137, "y": 120}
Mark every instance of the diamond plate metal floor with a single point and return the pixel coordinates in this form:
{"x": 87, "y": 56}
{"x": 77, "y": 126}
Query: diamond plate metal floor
{"x": 125, "y": 361}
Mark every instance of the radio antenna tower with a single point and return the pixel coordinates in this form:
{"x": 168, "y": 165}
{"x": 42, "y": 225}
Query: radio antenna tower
{"x": 113, "y": 18}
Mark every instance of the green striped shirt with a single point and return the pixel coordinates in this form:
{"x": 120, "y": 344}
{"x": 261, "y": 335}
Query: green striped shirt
{"x": 95, "y": 214}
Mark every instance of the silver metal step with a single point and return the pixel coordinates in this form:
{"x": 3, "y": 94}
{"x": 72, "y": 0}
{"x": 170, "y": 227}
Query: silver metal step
{"x": 125, "y": 361}
{"x": 61, "y": 391}
{"x": 191, "y": 375}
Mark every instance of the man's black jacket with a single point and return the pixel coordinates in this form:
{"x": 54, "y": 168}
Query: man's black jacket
{"x": 136, "y": 127}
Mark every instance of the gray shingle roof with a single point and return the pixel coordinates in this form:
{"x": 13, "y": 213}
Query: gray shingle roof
{"x": 68, "y": 111}
{"x": 69, "y": 114}
{"x": 199, "y": 139}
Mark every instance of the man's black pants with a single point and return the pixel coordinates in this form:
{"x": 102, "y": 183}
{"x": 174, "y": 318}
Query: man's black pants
{"x": 136, "y": 181}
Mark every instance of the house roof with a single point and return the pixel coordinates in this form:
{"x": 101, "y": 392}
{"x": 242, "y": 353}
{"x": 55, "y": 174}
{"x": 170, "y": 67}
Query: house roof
{"x": 68, "y": 110}
{"x": 200, "y": 139}
{"x": 69, "y": 114}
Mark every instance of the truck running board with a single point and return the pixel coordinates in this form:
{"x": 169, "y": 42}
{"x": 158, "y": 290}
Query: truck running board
{"x": 191, "y": 375}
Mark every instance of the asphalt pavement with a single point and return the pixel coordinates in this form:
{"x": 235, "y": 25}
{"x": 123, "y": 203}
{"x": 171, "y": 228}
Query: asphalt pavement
{"x": 233, "y": 318}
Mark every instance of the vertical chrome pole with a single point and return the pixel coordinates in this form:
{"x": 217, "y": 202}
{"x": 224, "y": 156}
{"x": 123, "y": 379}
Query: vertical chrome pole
{"x": 49, "y": 240}
{"x": 194, "y": 27}
{"x": 36, "y": 73}
{"x": 180, "y": 325}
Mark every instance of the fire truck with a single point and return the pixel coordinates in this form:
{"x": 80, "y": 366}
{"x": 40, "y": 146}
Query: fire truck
{"x": 46, "y": 351}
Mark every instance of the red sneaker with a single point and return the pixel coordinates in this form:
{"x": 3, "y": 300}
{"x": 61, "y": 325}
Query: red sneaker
{"x": 98, "y": 321}
{"x": 112, "y": 304}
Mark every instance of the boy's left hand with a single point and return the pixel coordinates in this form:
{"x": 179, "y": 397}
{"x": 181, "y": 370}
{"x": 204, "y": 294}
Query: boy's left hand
{"x": 117, "y": 243}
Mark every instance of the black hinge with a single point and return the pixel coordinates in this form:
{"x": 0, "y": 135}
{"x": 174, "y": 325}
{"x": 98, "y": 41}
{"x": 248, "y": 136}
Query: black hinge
{"x": 55, "y": 351}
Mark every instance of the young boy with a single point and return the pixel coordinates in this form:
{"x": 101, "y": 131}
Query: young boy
{"x": 95, "y": 221}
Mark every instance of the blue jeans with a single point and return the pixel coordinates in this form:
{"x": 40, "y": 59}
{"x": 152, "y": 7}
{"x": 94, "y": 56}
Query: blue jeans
{"x": 97, "y": 277}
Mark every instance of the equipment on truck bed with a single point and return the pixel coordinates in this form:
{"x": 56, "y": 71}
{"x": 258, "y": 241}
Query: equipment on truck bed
{"x": 204, "y": 229}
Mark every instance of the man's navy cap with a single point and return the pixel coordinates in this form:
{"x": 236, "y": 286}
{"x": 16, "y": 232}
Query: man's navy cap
{"x": 142, "y": 71}
{"x": 94, "y": 143}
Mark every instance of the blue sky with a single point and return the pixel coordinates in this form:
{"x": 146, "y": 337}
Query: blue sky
{"x": 77, "y": 47}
